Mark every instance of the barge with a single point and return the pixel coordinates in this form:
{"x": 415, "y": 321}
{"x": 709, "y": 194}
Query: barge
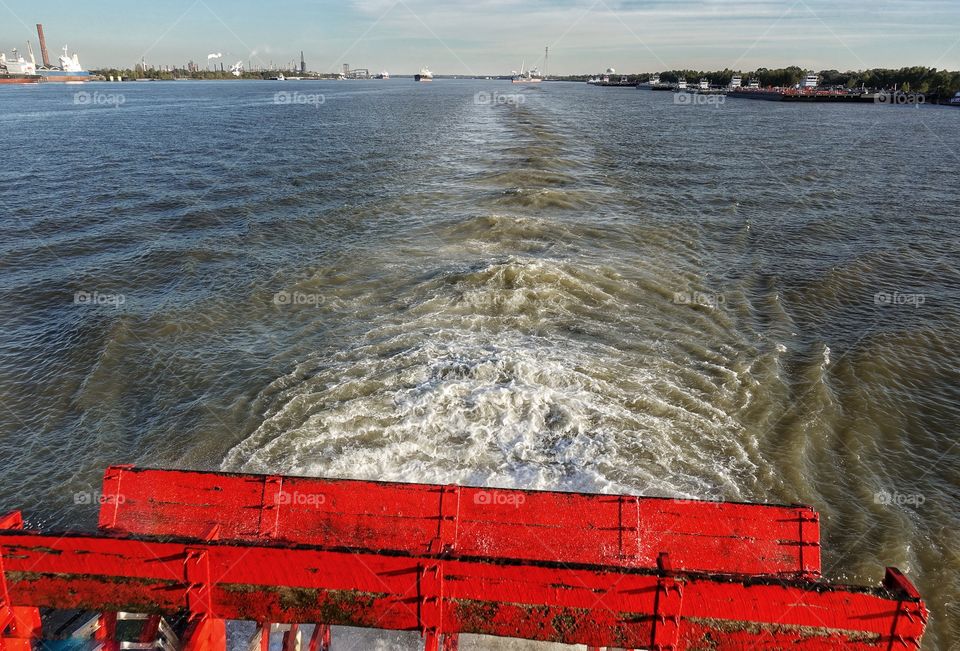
{"x": 804, "y": 95}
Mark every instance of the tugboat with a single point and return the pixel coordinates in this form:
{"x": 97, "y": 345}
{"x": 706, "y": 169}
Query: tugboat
{"x": 18, "y": 70}
{"x": 649, "y": 83}
{"x": 531, "y": 76}
{"x": 735, "y": 82}
{"x": 423, "y": 75}
{"x": 811, "y": 81}
{"x": 656, "y": 83}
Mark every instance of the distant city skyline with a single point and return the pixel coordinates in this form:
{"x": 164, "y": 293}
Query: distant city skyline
{"x": 486, "y": 37}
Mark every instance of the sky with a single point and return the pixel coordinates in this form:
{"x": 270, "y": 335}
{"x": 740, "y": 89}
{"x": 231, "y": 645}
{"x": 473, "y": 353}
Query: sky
{"x": 494, "y": 37}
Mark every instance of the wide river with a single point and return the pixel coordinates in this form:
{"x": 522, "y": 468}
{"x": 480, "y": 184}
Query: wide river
{"x": 561, "y": 287}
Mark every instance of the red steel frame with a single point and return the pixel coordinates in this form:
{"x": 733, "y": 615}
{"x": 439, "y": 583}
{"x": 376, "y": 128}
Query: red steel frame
{"x": 619, "y": 530}
{"x": 221, "y": 569}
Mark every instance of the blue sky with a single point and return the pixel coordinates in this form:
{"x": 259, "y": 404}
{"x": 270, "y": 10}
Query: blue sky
{"x": 495, "y": 36}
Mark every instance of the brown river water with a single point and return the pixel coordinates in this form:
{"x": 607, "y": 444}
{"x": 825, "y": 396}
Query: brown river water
{"x": 560, "y": 287}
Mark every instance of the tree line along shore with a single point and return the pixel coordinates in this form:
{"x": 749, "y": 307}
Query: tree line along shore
{"x": 917, "y": 79}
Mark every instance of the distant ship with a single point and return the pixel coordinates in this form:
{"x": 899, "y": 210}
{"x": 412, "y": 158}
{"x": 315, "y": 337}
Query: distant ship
{"x": 531, "y": 76}
{"x": 383, "y": 75}
{"x": 810, "y": 81}
{"x": 70, "y": 69}
{"x": 656, "y": 83}
{"x": 955, "y": 100}
{"x": 7, "y": 78}
{"x": 735, "y": 82}
{"x": 682, "y": 86}
{"x": 423, "y": 75}
{"x": 17, "y": 70}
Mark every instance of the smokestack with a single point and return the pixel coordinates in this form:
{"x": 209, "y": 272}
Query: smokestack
{"x": 43, "y": 47}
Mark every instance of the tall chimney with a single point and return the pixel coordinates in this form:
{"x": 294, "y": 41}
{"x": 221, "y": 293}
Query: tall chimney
{"x": 43, "y": 46}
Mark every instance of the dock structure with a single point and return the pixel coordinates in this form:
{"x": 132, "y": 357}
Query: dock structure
{"x": 180, "y": 553}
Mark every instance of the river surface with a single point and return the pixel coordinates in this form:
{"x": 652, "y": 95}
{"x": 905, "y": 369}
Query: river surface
{"x": 560, "y": 287}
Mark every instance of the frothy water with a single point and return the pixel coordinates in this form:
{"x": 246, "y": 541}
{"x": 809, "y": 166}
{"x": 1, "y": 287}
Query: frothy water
{"x": 593, "y": 289}
{"x": 467, "y": 385}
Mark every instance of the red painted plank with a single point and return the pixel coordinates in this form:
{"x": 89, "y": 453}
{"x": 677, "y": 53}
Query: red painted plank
{"x": 623, "y": 531}
{"x": 600, "y": 606}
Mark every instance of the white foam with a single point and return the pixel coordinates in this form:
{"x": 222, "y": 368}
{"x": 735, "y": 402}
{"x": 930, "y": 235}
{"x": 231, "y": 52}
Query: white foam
{"x": 450, "y": 392}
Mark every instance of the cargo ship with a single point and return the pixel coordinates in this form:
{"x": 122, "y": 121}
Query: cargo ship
{"x": 423, "y": 75}
{"x": 69, "y": 71}
{"x": 176, "y": 554}
{"x": 18, "y": 70}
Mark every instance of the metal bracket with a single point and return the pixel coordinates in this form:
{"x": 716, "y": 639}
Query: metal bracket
{"x": 110, "y": 491}
{"x": 909, "y": 609}
{"x": 273, "y": 499}
{"x": 629, "y": 528}
{"x": 667, "y": 606}
{"x": 809, "y": 543}
{"x": 449, "y": 520}
{"x": 431, "y": 605}
{"x": 196, "y": 570}
{"x": 18, "y": 624}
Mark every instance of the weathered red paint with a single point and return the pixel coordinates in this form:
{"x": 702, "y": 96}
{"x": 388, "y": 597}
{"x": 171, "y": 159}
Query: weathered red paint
{"x": 18, "y": 625}
{"x": 623, "y": 531}
{"x": 429, "y": 559}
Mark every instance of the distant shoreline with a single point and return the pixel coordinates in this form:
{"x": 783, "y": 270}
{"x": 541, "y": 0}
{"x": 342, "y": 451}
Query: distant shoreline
{"x": 931, "y": 82}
